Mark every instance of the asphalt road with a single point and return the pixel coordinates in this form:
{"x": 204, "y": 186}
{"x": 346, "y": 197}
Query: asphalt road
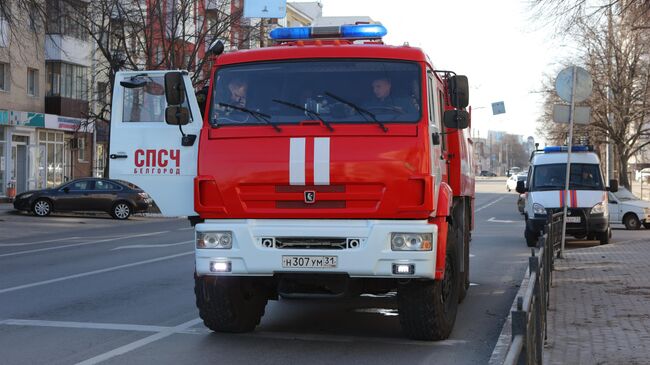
{"x": 87, "y": 290}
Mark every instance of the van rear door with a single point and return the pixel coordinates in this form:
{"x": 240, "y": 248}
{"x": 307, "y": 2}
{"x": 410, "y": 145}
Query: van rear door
{"x": 146, "y": 151}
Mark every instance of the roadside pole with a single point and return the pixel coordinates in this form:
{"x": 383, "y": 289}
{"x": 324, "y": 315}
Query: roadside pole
{"x": 573, "y": 85}
{"x": 568, "y": 162}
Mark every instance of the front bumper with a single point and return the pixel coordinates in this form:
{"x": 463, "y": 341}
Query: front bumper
{"x": 588, "y": 223}
{"x": 372, "y": 258}
{"x": 22, "y": 204}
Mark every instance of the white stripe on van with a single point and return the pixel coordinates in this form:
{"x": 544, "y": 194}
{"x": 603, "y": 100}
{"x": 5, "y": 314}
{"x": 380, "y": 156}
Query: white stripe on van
{"x": 297, "y": 161}
{"x": 321, "y": 161}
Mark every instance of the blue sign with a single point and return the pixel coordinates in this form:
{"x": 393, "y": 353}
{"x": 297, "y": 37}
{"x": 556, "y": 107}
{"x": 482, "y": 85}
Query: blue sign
{"x": 498, "y": 108}
{"x": 265, "y": 8}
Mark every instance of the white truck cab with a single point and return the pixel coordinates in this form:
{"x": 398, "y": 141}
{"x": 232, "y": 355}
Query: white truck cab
{"x": 586, "y": 199}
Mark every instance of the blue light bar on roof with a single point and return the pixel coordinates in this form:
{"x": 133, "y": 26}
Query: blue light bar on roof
{"x": 549, "y": 149}
{"x": 291, "y": 33}
{"x": 361, "y": 31}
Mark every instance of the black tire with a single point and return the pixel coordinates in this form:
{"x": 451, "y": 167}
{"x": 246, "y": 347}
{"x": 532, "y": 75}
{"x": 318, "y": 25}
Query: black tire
{"x": 121, "y": 210}
{"x": 427, "y": 309}
{"x": 646, "y": 225}
{"x": 531, "y": 238}
{"x": 631, "y": 222}
{"x": 229, "y": 304}
{"x": 42, "y": 208}
{"x": 604, "y": 237}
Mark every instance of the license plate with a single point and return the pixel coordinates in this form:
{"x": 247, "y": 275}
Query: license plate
{"x": 573, "y": 219}
{"x": 309, "y": 262}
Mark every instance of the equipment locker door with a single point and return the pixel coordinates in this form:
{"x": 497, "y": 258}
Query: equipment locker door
{"x": 145, "y": 150}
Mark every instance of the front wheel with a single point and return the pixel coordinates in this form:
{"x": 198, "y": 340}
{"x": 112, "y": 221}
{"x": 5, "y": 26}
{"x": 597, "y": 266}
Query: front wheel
{"x": 229, "y": 304}
{"x": 42, "y": 208}
{"x": 427, "y": 309}
{"x": 531, "y": 238}
{"x": 121, "y": 211}
{"x": 604, "y": 237}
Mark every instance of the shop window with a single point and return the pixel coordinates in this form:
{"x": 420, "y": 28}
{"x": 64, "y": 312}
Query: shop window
{"x": 81, "y": 149}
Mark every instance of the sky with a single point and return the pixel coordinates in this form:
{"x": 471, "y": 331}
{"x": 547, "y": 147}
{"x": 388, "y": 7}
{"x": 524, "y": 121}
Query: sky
{"x": 497, "y": 44}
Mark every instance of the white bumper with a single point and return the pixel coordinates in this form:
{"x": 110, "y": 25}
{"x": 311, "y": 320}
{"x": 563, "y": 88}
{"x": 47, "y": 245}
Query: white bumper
{"x": 373, "y": 257}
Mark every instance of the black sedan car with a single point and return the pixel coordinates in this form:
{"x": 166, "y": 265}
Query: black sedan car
{"x": 117, "y": 198}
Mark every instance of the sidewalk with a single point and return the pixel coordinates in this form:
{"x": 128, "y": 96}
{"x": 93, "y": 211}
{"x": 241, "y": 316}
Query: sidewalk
{"x": 600, "y": 306}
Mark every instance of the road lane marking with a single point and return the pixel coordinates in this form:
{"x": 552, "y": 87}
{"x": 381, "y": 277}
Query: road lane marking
{"x": 488, "y": 204}
{"x": 494, "y": 220}
{"x": 39, "y": 242}
{"x": 84, "y": 325}
{"x": 152, "y": 246}
{"x": 81, "y": 244}
{"x": 140, "y": 343}
{"x": 94, "y": 272}
{"x": 186, "y": 329}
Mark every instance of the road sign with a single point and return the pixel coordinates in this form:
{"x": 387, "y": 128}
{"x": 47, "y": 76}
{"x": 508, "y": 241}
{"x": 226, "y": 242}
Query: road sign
{"x": 498, "y": 108}
{"x": 562, "y": 114}
{"x": 564, "y": 84}
{"x": 265, "y": 8}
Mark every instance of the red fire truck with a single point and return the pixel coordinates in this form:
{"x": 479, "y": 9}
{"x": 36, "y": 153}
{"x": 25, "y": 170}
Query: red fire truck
{"x": 328, "y": 165}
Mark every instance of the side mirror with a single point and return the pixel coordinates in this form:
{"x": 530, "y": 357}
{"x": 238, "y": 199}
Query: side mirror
{"x": 613, "y": 186}
{"x": 133, "y": 82}
{"x": 457, "y": 119}
{"x": 521, "y": 187}
{"x": 459, "y": 91}
{"x": 174, "y": 88}
{"x": 177, "y": 115}
{"x": 216, "y": 48}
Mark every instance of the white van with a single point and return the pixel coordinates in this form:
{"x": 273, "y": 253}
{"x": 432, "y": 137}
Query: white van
{"x": 588, "y": 213}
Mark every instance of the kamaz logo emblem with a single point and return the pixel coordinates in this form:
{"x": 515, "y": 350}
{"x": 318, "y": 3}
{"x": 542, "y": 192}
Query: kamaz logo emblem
{"x": 310, "y": 196}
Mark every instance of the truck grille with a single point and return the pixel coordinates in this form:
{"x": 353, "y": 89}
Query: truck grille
{"x": 311, "y": 243}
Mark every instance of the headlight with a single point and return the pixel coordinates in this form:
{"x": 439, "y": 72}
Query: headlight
{"x": 539, "y": 209}
{"x": 646, "y": 211}
{"x": 214, "y": 240}
{"x": 25, "y": 196}
{"x": 411, "y": 241}
{"x": 600, "y": 208}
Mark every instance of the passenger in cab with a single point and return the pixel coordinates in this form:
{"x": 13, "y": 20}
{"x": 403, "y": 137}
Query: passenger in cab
{"x": 384, "y": 98}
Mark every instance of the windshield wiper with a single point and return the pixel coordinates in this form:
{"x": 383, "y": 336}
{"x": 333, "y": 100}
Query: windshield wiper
{"x": 358, "y": 109}
{"x": 257, "y": 115}
{"x": 311, "y": 113}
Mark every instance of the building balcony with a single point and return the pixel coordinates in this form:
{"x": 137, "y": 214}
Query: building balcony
{"x": 68, "y": 49}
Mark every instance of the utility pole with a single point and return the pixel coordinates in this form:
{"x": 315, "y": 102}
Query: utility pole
{"x": 608, "y": 150}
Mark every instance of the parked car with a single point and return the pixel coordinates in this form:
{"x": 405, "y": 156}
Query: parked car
{"x": 117, "y": 198}
{"x": 511, "y": 183}
{"x": 513, "y": 171}
{"x": 487, "y": 173}
{"x": 626, "y": 208}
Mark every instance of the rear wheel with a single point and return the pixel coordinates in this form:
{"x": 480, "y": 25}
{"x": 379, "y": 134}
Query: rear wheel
{"x": 121, "y": 210}
{"x": 229, "y": 304}
{"x": 42, "y": 207}
{"x": 427, "y": 309}
{"x": 631, "y": 222}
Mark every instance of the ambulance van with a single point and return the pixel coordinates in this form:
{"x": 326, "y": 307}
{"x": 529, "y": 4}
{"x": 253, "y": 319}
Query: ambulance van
{"x": 587, "y": 214}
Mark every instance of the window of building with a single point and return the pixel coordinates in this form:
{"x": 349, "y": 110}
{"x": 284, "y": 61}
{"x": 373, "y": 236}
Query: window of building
{"x": 32, "y": 82}
{"x": 81, "y": 149}
{"x": 102, "y": 88}
{"x": 4, "y": 76}
{"x": 66, "y": 80}
{"x": 63, "y": 18}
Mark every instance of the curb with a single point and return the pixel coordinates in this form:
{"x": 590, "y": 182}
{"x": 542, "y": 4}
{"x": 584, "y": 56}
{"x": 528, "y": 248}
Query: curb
{"x": 505, "y": 338}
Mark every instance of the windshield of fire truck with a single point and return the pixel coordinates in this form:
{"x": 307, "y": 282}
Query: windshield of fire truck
{"x": 293, "y": 91}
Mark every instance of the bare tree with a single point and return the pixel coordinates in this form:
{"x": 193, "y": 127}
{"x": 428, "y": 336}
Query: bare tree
{"x": 616, "y": 51}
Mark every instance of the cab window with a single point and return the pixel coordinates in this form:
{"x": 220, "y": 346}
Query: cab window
{"x": 147, "y": 103}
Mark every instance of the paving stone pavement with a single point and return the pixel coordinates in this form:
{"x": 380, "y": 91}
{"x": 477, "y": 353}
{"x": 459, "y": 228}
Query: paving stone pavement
{"x": 600, "y": 306}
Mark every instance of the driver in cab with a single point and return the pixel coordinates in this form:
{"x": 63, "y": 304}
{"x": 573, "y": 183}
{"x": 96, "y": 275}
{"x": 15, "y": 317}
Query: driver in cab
{"x": 385, "y": 101}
